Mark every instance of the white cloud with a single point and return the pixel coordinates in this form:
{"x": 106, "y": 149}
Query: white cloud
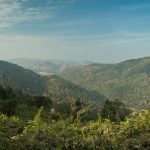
{"x": 16, "y": 11}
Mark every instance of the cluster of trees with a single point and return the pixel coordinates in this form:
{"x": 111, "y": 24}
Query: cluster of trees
{"x": 131, "y": 134}
{"x": 115, "y": 111}
{"x": 73, "y": 124}
{"x": 8, "y": 102}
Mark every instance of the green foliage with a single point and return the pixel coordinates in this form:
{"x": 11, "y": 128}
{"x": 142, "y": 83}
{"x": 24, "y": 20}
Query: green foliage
{"x": 8, "y": 101}
{"x": 134, "y": 132}
{"x": 36, "y": 134}
{"x": 20, "y": 79}
{"x": 9, "y": 107}
{"x": 115, "y": 111}
{"x": 35, "y": 128}
{"x": 42, "y": 101}
{"x": 9, "y": 127}
{"x": 128, "y": 81}
{"x": 131, "y": 134}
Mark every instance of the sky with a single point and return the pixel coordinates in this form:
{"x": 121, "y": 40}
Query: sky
{"x": 105, "y": 31}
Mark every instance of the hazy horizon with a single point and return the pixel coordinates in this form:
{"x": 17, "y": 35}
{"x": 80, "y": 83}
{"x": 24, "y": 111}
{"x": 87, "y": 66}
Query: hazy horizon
{"x": 106, "y": 31}
{"x": 70, "y": 61}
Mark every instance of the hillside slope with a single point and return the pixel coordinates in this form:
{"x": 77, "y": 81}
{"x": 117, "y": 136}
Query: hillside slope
{"x": 31, "y": 83}
{"x": 128, "y": 81}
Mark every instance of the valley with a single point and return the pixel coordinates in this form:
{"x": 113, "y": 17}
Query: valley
{"x": 127, "y": 81}
{"x": 74, "y": 75}
{"x": 92, "y": 106}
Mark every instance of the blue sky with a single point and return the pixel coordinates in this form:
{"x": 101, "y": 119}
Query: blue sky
{"x": 93, "y": 30}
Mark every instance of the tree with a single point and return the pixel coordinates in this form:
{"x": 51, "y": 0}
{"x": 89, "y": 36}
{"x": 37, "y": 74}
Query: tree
{"x": 3, "y": 93}
{"x": 75, "y": 106}
{"x": 42, "y": 101}
{"x": 9, "y": 107}
{"x": 115, "y": 110}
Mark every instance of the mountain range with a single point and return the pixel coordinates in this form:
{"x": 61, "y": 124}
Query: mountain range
{"x": 128, "y": 81}
{"x": 31, "y": 83}
{"x": 46, "y": 67}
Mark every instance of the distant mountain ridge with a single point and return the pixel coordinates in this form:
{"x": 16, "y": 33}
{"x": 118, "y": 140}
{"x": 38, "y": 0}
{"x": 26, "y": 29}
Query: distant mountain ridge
{"x": 31, "y": 83}
{"x": 128, "y": 80}
{"x": 45, "y": 67}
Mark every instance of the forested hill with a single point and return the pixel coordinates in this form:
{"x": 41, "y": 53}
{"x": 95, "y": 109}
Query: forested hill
{"x": 21, "y": 79}
{"x": 128, "y": 80}
{"x": 31, "y": 83}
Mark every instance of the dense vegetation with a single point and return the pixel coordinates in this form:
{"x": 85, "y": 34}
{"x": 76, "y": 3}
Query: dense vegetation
{"x": 31, "y": 83}
{"x": 128, "y": 81}
{"x": 42, "y": 127}
{"x": 47, "y": 112}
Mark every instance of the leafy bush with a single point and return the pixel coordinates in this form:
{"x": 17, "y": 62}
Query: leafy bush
{"x": 131, "y": 134}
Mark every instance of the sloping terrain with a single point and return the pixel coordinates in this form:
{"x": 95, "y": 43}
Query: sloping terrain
{"x": 31, "y": 83}
{"x": 128, "y": 81}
